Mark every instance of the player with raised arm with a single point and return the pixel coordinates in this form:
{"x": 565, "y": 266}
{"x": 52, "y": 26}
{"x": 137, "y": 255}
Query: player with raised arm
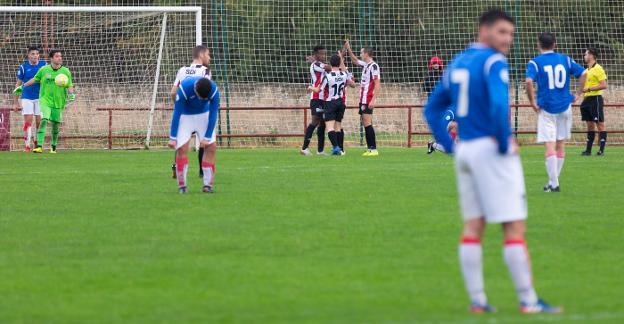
{"x": 200, "y": 66}
{"x": 334, "y": 84}
{"x": 370, "y": 87}
{"x": 56, "y": 86}
{"x": 490, "y": 179}
{"x": 317, "y": 100}
{"x": 350, "y": 84}
{"x": 29, "y": 100}
{"x": 552, "y": 73}
{"x": 196, "y": 109}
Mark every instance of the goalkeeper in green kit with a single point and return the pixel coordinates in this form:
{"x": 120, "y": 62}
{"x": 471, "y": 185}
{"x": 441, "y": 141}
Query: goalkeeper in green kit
{"x": 56, "y": 88}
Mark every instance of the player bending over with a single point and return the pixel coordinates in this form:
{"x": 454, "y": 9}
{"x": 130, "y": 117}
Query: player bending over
{"x": 334, "y": 83}
{"x": 52, "y": 97}
{"x": 370, "y": 86}
{"x": 451, "y": 128}
{"x": 552, "y": 73}
{"x": 317, "y": 101}
{"x": 30, "y": 95}
{"x": 489, "y": 173}
{"x": 196, "y": 110}
{"x": 198, "y": 67}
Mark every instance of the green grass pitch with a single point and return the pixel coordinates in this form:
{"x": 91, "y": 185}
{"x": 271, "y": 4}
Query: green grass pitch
{"x": 95, "y": 236}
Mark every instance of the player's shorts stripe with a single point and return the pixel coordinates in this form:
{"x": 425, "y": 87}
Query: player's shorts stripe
{"x": 491, "y": 60}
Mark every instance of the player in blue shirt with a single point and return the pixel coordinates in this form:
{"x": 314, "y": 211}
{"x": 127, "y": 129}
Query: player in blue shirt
{"x": 490, "y": 180}
{"x": 29, "y": 100}
{"x": 552, "y": 72}
{"x": 451, "y": 128}
{"x": 196, "y": 109}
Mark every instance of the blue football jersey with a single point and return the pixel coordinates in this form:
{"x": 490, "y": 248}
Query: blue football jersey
{"x": 27, "y": 71}
{"x": 552, "y": 73}
{"x": 476, "y": 84}
{"x": 188, "y": 103}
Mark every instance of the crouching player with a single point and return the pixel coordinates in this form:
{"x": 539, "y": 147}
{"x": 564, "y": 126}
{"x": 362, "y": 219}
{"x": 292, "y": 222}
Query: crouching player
{"x": 451, "y": 128}
{"x": 196, "y": 109}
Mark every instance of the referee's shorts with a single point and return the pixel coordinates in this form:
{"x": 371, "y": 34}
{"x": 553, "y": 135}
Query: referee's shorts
{"x": 592, "y": 109}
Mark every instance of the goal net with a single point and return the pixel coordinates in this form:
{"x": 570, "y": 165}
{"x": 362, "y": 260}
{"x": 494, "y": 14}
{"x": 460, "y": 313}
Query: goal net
{"x": 123, "y": 61}
{"x": 259, "y": 51}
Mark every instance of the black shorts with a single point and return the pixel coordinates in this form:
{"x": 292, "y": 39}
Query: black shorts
{"x": 317, "y": 107}
{"x": 334, "y": 110}
{"x": 592, "y": 109}
{"x": 365, "y": 109}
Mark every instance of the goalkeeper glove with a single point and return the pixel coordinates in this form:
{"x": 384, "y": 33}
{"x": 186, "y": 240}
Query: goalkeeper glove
{"x": 72, "y": 97}
{"x": 18, "y": 90}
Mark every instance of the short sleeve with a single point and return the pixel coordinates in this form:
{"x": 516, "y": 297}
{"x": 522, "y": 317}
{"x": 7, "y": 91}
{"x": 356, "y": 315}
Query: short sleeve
{"x": 375, "y": 71}
{"x": 531, "y": 70}
{"x": 318, "y": 67}
{"x": 20, "y": 72}
{"x": 601, "y": 74}
{"x": 178, "y": 78}
{"x": 361, "y": 63}
{"x": 39, "y": 75}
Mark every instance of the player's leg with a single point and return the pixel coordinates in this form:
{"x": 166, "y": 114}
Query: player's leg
{"x": 552, "y": 166}
{"x": 560, "y": 148}
{"x": 470, "y": 251}
{"x": 308, "y": 134}
{"x": 208, "y": 167}
{"x": 516, "y": 255}
{"x": 371, "y": 139}
{"x": 602, "y": 129}
{"x": 547, "y": 134}
{"x": 586, "y": 116}
{"x": 182, "y": 162}
{"x": 564, "y": 132}
{"x": 333, "y": 137}
{"x": 339, "y": 129}
{"x": 437, "y": 147}
{"x": 55, "y": 120}
{"x": 27, "y": 112}
{"x": 200, "y": 154}
{"x": 37, "y": 114}
{"x": 45, "y": 117}
{"x": 320, "y": 137}
{"x": 591, "y": 136}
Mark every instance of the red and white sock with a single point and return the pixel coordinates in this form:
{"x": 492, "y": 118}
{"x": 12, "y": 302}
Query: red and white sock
{"x": 552, "y": 170}
{"x": 27, "y": 133}
{"x": 181, "y": 170}
{"x": 209, "y": 172}
{"x": 560, "y": 160}
{"x": 470, "y": 259}
{"x": 517, "y": 259}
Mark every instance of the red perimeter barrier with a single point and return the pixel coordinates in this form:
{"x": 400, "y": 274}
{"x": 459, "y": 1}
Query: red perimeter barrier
{"x": 409, "y": 132}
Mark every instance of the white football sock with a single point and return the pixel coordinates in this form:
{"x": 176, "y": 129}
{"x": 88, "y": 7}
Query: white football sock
{"x": 470, "y": 255}
{"x": 208, "y": 169}
{"x": 27, "y": 133}
{"x": 552, "y": 170}
{"x": 439, "y": 147}
{"x": 560, "y": 161}
{"x": 517, "y": 259}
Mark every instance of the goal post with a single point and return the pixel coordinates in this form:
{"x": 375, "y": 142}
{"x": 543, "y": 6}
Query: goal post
{"x": 122, "y": 57}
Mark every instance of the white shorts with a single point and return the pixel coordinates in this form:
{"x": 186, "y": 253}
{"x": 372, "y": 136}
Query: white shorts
{"x": 490, "y": 185}
{"x": 30, "y": 107}
{"x": 554, "y": 127}
{"x": 193, "y": 123}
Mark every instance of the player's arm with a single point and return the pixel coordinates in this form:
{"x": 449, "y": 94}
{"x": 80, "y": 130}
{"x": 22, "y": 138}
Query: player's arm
{"x": 18, "y": 93}
{"x": 344, "y": 68}
{"x": 174, "y": 90}
{"x": 320, "y": 87}
{"x": 434, "y": 114}
{"x": 354, "y": 59}
{"x": 531, "y": 75}
{"x": 70, "y": 86}
{"x": 578, "y": 72}
{"x": 498, "y": 87}
{"x": 35, "y": 79}
{"x": 175, "y": 120}
{"x": 213, "y": 115}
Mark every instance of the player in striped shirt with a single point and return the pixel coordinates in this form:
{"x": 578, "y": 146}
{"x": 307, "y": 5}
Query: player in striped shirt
{"x": 317, "y": 70}
{"x": 490, "y": 179}
{"x": 370, "y": 85}
{"x": 198, "y": 67}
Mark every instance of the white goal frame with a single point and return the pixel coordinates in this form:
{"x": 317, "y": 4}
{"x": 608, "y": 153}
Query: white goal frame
{"x": 157, "y": 9}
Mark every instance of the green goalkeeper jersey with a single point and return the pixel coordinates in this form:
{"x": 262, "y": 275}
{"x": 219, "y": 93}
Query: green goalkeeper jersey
{"x": 50, "y": 94}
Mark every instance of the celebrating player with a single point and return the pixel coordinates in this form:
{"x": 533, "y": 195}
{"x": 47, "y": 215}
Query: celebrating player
{"x": 196, "y": 110}
{"x": 198, "y": 67}
{"x": 30, "y": 95}
{"x": 370, "y": 86}
{"x": 592, "y": 107}
{"x": 317, "y": 69}
{"x": 489, "y": 173}
{"x": 333, "y": 84}
{"x": 552, "y": 73}
{"x": 451, "y": 127}
{"x": 52, "y": 97}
